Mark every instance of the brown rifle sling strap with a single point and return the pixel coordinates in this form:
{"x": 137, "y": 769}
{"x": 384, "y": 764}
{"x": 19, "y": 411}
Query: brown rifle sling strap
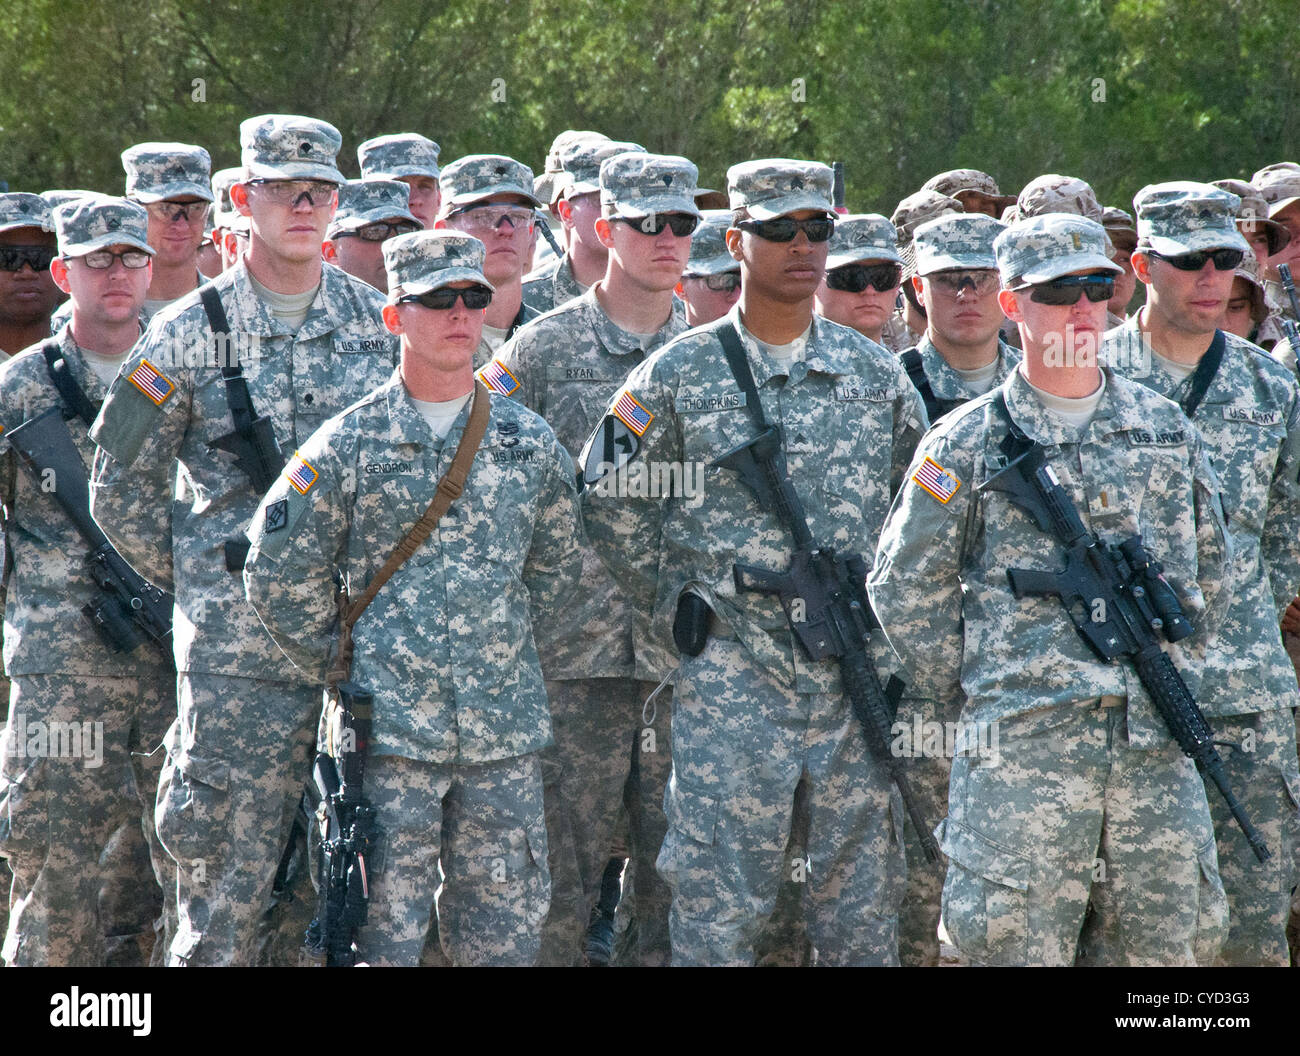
{"x": 449, "y": 489}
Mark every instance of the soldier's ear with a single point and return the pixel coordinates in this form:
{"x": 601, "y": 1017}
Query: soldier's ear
{"x": 393, "y": 320}
{"x": 239, "y": 198}
{"x": 1009, "y": 302}
{"x": 563, "y": 210}
{"x": 59, "y": 273}
{"x": 919, "y": 290}
{"x": 733, "y": 237}
{"x": 1141, "y": 267}
{"x": 605, "y": 232}
{"x": 329, "y": 251}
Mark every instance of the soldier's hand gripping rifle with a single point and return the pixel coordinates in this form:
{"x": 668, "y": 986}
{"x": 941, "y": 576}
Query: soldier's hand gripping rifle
{"x": 130, "y": 610}
{"x": 1120, "y": 604}
{"x": 825, "y": 600}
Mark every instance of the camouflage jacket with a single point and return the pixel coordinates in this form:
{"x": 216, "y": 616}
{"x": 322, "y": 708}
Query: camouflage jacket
{"x": 850, "y": 421}
{"x": 566, "y": 366}
{"x": 1250, "y": 419}
{"x": 169, "y": 401}
{"x": 552, "y": 285}
{"x": 946, "y": 384}
{"x": 45, "y": 631}
{"x": 447, "y": 645}
{"x": 940, "y": 587}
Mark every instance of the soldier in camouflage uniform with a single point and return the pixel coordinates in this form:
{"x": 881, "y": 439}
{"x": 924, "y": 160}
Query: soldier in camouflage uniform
{"x": 490, "y": 197}
{"x": 310, "y": 340}
{"x": 1082, "y": 765}
{"x": 1267, "y": 239}
{"x": 370, "y": 212}
{"x": 173, "y": 182}
{"x": 711, "y": 282}
{"x": 908, "y": 323}
{"x": 62, "y": 798}
{"x": 412, "y": 159}
{"x": 1250, "y": 419}
{"x": 1122, "y": 233}
{"x": 960, "y": 356}
{"x": 599, "y": 665}
{"x": 460, "y": 711}
{"x": 751, "y": 715}
{"x": 863, "y": 255}
{"x": 229, "y": 225}
{"x": 28, "y": 295}
{"x": 578, "y": 208}
{"x": 1279, "y": 186}
{"x": 975, "y": 191}
{"x": 1246, "y": 312}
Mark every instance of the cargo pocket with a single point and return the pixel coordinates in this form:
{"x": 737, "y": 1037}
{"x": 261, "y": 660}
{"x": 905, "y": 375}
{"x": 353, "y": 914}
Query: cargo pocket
{"x": 536, "y": 872}
{"x": 1211, "y": 907}
{"x": 193, "y": 812}
{"x": 985, "y": 899}
{"x": 687, "y": 859}
{"x": 24, "y": 814}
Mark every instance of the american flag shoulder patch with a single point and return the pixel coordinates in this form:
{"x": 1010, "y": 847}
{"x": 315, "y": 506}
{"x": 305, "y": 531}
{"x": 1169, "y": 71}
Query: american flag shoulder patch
{"x": 628, "y": 410}
{"x": 152, "y": 382}
{"x": 497, "y": 377}
{"x": 939, "y": 482}
{"x": 301, "y": 474}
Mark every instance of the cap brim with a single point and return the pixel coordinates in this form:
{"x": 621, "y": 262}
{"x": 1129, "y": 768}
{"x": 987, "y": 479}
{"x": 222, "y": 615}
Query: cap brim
{"x": 1277, "y": 207}
{"x": 172, "y": 190}
{"x": 1195, "y": 241}
{"x": 297, "y": 170}
{"x": 446, "y": 278}
{"x": 351, "y": 223}
{"x": 838, "y": 260}
{"x": 1001, "y": 201}
{"x": 18, "y": 225}
{"x": 712, "y": 265}
{"x": 666, "y": 203}
{"x": 928, "y": 265}
{"x": 467, "y": 197}
{"x": 1277, "y": 235}
{"x": 111, "y": 238}
{"x": 398, "y": 171}
{"x": 774, "y": 207}
{"x": 1055, "y": 267}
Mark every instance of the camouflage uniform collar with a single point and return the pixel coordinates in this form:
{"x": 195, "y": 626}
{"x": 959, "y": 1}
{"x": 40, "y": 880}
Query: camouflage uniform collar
{"x": 821, "y": 353}
{"x": 75, "y": 356}
{"x": 564, "y": 282}
{"x": 256, "y": 317}
{"x": 406, "y": 425}
{"x": 614, "y": 338}
{"x": 1117, "y": 412}
{"x": 944, "y": 380}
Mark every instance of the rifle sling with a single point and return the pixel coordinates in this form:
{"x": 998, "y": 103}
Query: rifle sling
{"x": 76, "y": 404}
{"x": 739, "y": 364}
{"x": 1205, "y": 372}
{"x": 450, "y": 486}
{"x": 915, "y": 368}
{"x": 232, "y": 371}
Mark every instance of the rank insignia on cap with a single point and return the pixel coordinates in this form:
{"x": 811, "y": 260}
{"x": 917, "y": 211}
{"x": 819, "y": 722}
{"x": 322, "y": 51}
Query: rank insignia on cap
{"x": 301, "y": 474}
{"x": 498, "y": 378}
{"x": 630, "y": 412}
{"x": 152, "y": 382}
{"x": 304, "y": 147}
{"x": 936, "y": 480}
{"x": 277, "y": 516}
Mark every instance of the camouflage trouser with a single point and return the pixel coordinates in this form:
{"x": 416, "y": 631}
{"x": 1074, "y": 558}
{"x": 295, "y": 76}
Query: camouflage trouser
{"x": 641, "y": 939}
{"x": 1262, "y": 773}
{"x": 597, "y": 725}
{"x": 237, "y": 759}
{"x": 928, "y": 768}
{"x": 484, "y": 825}
{"x": 783, "y": 942}
{"x": 1064, "y": 821}
{"x": 64, "y": 794}
{"x": 742, "y": 741}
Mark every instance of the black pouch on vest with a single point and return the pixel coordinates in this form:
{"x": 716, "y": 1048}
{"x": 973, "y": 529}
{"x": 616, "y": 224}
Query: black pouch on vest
{"x": 691, "y": 624}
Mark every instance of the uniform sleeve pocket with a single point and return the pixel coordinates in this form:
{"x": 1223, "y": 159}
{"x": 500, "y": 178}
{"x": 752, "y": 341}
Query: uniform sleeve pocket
{"x": 985, "y": 897}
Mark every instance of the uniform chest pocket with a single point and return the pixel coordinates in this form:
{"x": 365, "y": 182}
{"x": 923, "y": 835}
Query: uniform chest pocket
{"x": 1244, "y": 453}
{"x": 575, "y": 399}
{"x": 388, "y": 505}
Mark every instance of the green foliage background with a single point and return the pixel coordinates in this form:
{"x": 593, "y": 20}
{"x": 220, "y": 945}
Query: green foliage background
{"x": 1121, "y": 93}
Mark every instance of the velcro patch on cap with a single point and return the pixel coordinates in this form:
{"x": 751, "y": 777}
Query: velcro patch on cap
{"x": 939, "y": 482}
{"x": 497, "y": 377}
{"x": 152, "y": 382}
{"x": 301, "y": 474}
{"x": 631, "y": 413}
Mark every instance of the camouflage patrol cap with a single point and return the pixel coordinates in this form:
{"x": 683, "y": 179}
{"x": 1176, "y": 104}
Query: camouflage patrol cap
{"x": 223, "y": 212}
{"x": 956, "y": 182}
{"x": 1252, "y": 214}
{"x": 364, "y": 202}
{"x": 964, "y": 241}
{"x": 428, "y": 260}
{"x": 1042, "y": 248}
{"x": 635, "y": 184}
{"x": 1279, "y": 185}
{"x": 1183, "y": 217}
{"x": 862, "y": 236}
{"x": 24, "y": 210}
{"x": 398, "y": 155}
{"x": 1120, "y": 228}
{"x": 97, "y": 221}
{"x": 57, "y": 197}
{"x": 580, "y": 163}
{"x": 709, "y": 253}
{"x": 772, "y": 187}
{"x": 477, "y": 176}
{"x": 547, "y": 186}
{"x": 289, "y": 147}
{"x": 157, "y": 171}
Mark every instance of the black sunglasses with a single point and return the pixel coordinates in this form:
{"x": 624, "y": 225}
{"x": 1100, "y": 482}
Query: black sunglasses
{"x": 12, "y": 258}
{"x": 783, "y": 229}
{"x": 1224, "y": 259}
{"x": 854, "y": 278}
{"x": 475, "y": 298}
{"x": 1067, "y": 290}
{"x": 681, "y": 224}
